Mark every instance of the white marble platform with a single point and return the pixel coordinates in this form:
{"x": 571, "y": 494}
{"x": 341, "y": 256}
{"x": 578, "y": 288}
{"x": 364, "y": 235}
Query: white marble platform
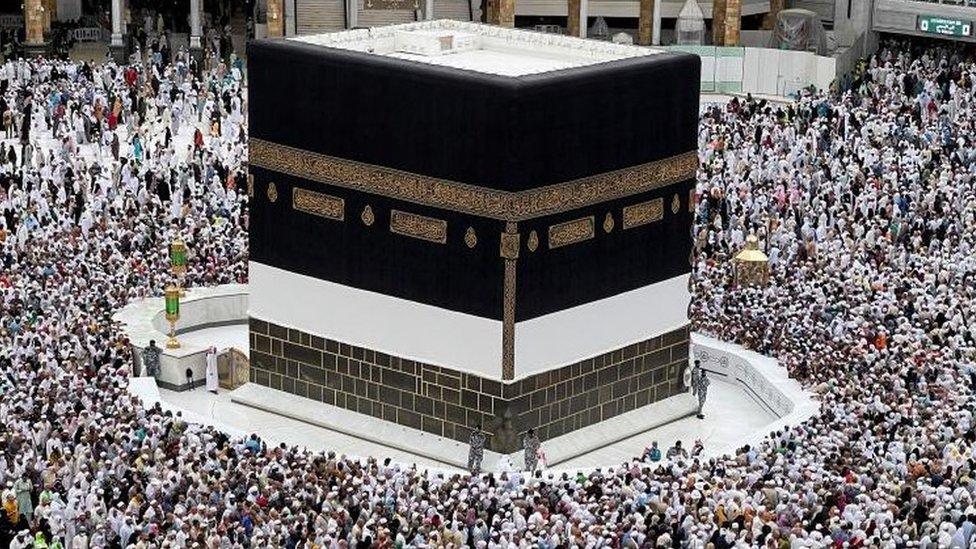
{"x": 734, "y": 416}
{"x": 451, "y": 452}
{"x": 219, "y": 410}
{"x": 760, "y": 377}
{"x": 149, "y": 394}
{"x": 201, "y": 309}
{"x": 432, "y": 448}
{"x": 730, "y": 416}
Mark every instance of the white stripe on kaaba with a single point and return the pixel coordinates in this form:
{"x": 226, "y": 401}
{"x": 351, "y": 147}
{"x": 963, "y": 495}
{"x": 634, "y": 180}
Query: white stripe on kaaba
{"x": 391, "y": 325}
{"x": 592, "y": 329}
{"x": 461, "y": 341}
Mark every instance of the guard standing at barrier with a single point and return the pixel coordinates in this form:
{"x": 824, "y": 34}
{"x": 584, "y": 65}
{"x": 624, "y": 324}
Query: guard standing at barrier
{"x": 477, "y": 452}
{"x": 700, "y": 387}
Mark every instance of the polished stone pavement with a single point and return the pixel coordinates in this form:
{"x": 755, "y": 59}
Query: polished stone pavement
{"x": 730, "y": 416}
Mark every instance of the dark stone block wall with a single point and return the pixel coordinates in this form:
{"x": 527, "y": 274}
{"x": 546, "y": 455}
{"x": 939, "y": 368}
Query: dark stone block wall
{"x": 449, "y": 402}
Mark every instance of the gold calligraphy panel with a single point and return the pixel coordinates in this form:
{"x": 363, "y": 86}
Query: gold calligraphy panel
{"x": 315, "y": 203}
{"x": 418, "y": 226}
{"x": 571, "y": 232}
{"x": 643, "y": 213}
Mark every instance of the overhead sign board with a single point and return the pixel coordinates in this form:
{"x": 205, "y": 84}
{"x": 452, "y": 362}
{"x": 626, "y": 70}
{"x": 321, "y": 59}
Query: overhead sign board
{"x": 945, "y": 27}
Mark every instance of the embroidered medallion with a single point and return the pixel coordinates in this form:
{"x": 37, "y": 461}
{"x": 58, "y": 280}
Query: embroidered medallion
{"x": 533, "y": 242}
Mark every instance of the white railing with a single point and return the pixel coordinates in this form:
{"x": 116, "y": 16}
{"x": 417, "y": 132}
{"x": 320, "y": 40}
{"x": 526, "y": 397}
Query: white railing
{"x": 760, "y": 377}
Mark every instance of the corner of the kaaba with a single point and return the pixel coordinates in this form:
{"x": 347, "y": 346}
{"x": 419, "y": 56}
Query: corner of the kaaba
{"x": 423, "y": 240}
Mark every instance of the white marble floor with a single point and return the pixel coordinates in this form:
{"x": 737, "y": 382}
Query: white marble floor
{"x": 222, "y": 337}
{"x": 730, "y": 415}
{"x": 219, "y": 411}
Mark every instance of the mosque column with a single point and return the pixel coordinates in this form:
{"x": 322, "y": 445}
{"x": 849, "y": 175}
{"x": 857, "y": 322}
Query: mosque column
{"x": 584, "y": 14}
{"x": 573, "y": 17}
{"x": 49, "y": 13}
{"x": 644, "y": 22}
{"x": 126, "y": 17}
{"x": 718, "y": 22}
{"x": 276, "y": 18}
{"x": 506, "y": 13}
{"x": 733, "y": 22}
{"x": 34, "y": 27}
{"x": 352, "y": 13}
{"x": 656, "y": 27}
{"x": 196, "y": 30}
{"x": 117, "y": 45}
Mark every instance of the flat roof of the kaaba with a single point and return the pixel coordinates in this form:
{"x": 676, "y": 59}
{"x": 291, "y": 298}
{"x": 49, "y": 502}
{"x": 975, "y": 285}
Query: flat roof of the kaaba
{"x": 486, "y": 49}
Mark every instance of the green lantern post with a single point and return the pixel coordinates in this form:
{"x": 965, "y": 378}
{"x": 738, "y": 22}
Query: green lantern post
{"x": 172, "y": 314}
{"x": 177, "y": 260}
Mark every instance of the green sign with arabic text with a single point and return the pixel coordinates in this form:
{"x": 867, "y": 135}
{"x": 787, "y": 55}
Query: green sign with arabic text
{"x": 945, "y": 27}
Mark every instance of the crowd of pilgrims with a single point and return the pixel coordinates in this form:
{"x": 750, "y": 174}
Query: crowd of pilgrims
{"x": 864, "y": 201}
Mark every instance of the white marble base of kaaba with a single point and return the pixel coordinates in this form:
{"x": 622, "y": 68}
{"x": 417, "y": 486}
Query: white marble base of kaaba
{"x": 453, "y": 453}
{"x": 734, "y": 415}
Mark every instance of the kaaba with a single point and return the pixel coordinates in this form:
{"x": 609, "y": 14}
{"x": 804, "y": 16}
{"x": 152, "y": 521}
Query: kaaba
{"x": 455, "y": 224}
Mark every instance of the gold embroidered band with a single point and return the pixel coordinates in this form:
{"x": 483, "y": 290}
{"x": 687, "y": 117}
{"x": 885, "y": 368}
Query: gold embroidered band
{"x": 643, "y": 213}
{"x": 571, "y": 232}
{"x": 418, "y": 226}
{"x": 323, "y": 205}
{"x": 472, "y": 199}
{"x": 510, "y": 238}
